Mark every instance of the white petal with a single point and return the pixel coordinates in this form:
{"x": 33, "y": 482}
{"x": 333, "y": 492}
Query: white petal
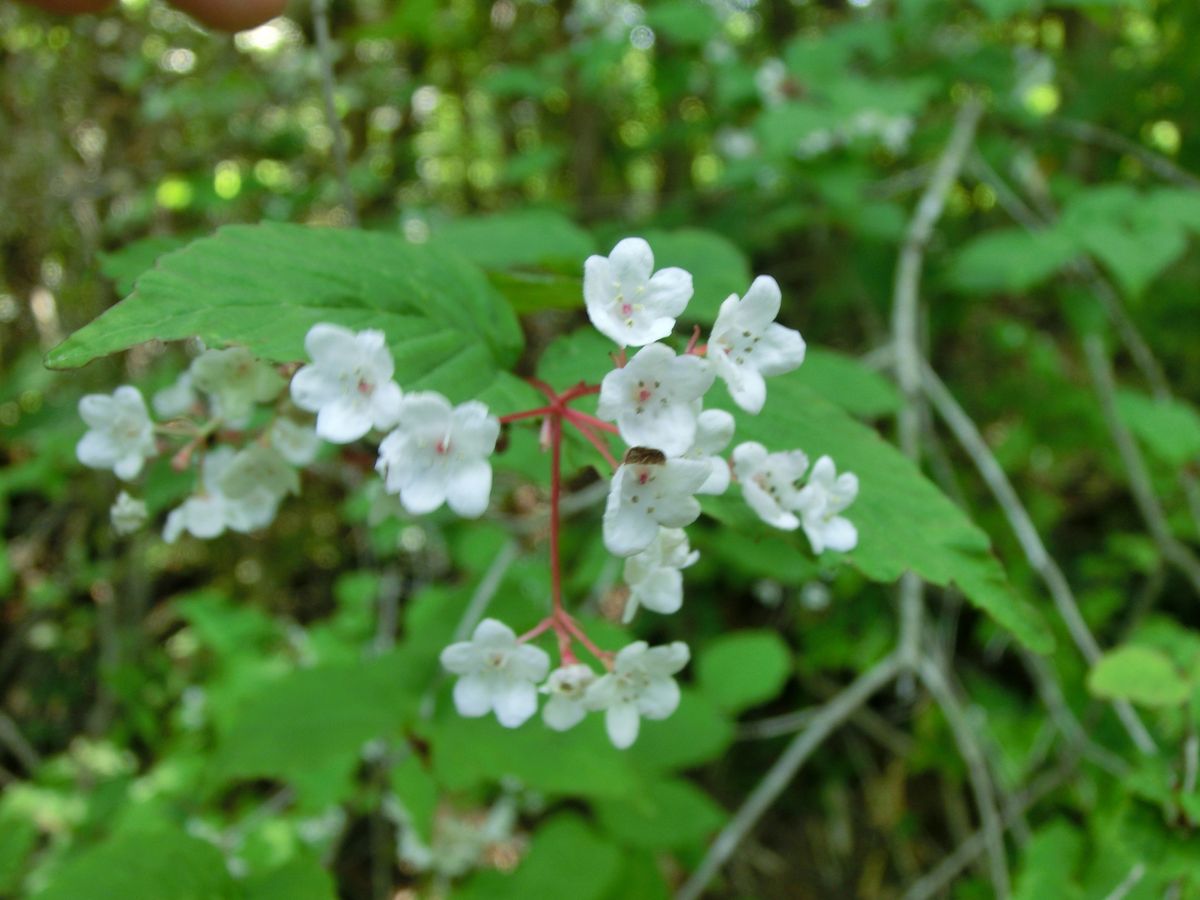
{"x": 529, "y": 663}
{"x": 659, "y": 699}
{"x": 332, "y": 343}
{"x": 475, "y": 430}
{"x": 128, "y": 466}
{"x": 662, "y": 591}
{"x": 494, "y": 633}
{"x": 841, "y": 535}
{"x": 714, "y": 431}
{"x": 97, "y": 410}
{"x": 746, "y": 387}
{"x": 768, "y": 508}
{"x": 205, "y": 516}
{"x": 343, "y": 420}
{"x": 423, "y": 495}
{"x": 622, "y": 722}
{"x": 561, "y": 713}
{"x": 760, "y": 306}
{"x": 469, "y": 489}
{"x": 97, "y": 450}
{"x": 313, "y": 387}
{"x": 385, "y": 405}
{"x": 666, "y": 659}
{"x": 514, "y": 701}
{"x": 176, "y": 520}
{"x": 472, "y": 696}
{"x": 718, "y": 479}
{"x": 668, "y": 292}
{"x": 631, "y": 262}
{"x": 628, "y": 528}
{"x": 780, "y": 350}
{"x": 424, "y": 410}
{"x": 461, "y": 658}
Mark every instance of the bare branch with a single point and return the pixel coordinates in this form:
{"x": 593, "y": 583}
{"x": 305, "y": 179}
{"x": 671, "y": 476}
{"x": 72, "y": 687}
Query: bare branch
{"x": 972, "y": 442}
{"x": 780, "y": 775}
{"x": 1148, "y": 505}
{"x": 1113, "y": 140}
{"x": 328, "y": 91}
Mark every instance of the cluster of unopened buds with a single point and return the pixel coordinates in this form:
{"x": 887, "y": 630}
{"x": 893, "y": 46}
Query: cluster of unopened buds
{"x": 435, "y": 453}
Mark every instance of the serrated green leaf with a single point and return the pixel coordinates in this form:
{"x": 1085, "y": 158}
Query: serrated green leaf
{"x": 904, "y": 522}
{"x": 1140, "y": 675}
{"x": 532, "y": 238}
{"x": 263, "y": 286}
{"x": 126, "y": 265}
{"x": 743, "y": 669}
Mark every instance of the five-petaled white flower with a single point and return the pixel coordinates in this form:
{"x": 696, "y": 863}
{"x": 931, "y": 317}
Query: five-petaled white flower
{"x": 714, "y": 431}
{"x": 496, "y": 673}
{"x": 747, "y": 343}
{"x": 234, "y": 380}
{"x": 640, "y": 684}
{"x": 349, "y": 384}
{"x": 241, "y": 491}
{"x": 566, "y": 687}
{"x": 647, "y": 491}
{"x": 768, "y": 482}
{"x": 655, "y": 398}
{"x": 654, "y": 577}
{"x": 120, "y": 434}
{"x": 821, "y": 501}
{"x": 127, "y": 514}
{"x": 627, "y": 300}
{"x": 439, "y": 454}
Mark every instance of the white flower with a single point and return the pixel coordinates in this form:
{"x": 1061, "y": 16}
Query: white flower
{"x": 655, "y": 398}
{"x": 241, "y": 491}
{"x": 496, "y": 672}
{"x": 640, "y": 684}
{"x": 821, "y": 500}
{"x": 647, "y": 491}
{"x": 120, "y": 434}
{"x": 654, "y": 577}
{"x": 768, "y": 482}
{"x": 349, "y": 384}
{"x": 714, "y": 431}
{"x": 297, "y": 443}
{"x": 235, "y": 380}
{"x": 176, "y": 400}
{"x": 127, "y": 514}
{"x": 439, "y": 454}
{"x": 566, "y": 687}
{"x": 747, "y": 343}
{"x": 627, "y": 300}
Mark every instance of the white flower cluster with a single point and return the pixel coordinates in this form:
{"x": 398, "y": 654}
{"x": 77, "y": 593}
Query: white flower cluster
{"x": 656, "y": 400}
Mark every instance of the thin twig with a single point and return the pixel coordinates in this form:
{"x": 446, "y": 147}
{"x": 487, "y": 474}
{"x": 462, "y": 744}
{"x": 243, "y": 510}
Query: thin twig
{"x": 328, "y": 95}
{"x": 12, "y": 738}
{"x": 1112, "y": 140}
{"x": 486, "y": 590}
{"x": 905, "y": 339}
{"x": 1148, "y": 505}
{"x": 931, "y": 675}
{"x": 937, "y": 878}
{"x": 963, "y": 428}
{"x": 780, "y": 775}
{"x": 1121, "y": 891}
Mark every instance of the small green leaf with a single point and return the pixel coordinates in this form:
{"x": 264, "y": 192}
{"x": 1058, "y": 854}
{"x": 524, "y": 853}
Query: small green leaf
{"x": 1011, "y": 260}
{"x": 301, "y": 879}
{"x": 1140, "y": 675}
{"x": 415, "y": 788}
{"x": 1169, "y": 428}
{"x": 744, "y": 669}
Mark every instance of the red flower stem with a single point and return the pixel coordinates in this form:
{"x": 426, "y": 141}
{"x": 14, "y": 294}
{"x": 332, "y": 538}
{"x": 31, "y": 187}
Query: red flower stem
{"x": 550, "y": 393}
{"x": 526, "y": 414}
{"x": 540, "y": 628}
{"x": 693, "y": 340}
{"x": 555, "y": 496}
{"x": 579, "y": 390}
{"x": 576, "y": 632}
{"x": 595, "y": 440}
{"x": 582, "y": 418}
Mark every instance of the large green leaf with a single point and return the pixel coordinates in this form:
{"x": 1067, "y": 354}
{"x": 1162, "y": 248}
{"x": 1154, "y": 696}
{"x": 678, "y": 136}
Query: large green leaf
{"x": 665, "y": 815}
{"x": 745, "y": 668}
{"x": 319, "y": 716}
{"x": 523, "y": 238}
{"x": 718, "y": 267}
{"x": 160, "y": 862}
{"x": 264, "y": 286}
{"x": 904, "y": 522}
{"x": 1169, "y": 428}
{"x": 1010, "y": 259}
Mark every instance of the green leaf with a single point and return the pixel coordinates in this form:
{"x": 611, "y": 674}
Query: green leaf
{"x": 301, "y": 879}
{"x": 415, "y": 788}
{"x": 160, "y": 862}
{"x": 848, "y": 383}
{"x": 263, "y": 286}
{"x": 1048, "y": 862}
{"x": 696, "y": 733}
{"x": 666, "y": 815}
{"x": 317, "y": 717}
{"x": 744, "y": 669}
{"x": 565, "y": 859}
{"x": 18, "y": 838}
{"x": 1140, "y": 675}
{"x": 470, "y": 753}
{"x": 1169, "y": 428}
{"x": 904, "y": 522}
{"x": 1011, "y": 260}
{"x": 126, "y": 265}
{"x": 682, "y": 21}
{"x": 718, "y": 267}
{"x": 535, "y": 238}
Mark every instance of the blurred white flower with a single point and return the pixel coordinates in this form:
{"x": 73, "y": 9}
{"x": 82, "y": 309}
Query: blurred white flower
{"x": 234, "y": 380}
{"x": 120, "y": 434}
{"x": 566, "y": 687}
{"x": 820, "y": 503}
{"x": 127, "y": 514}
{"x": 769, "y": 482}
{"x": 654, "y": 577}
